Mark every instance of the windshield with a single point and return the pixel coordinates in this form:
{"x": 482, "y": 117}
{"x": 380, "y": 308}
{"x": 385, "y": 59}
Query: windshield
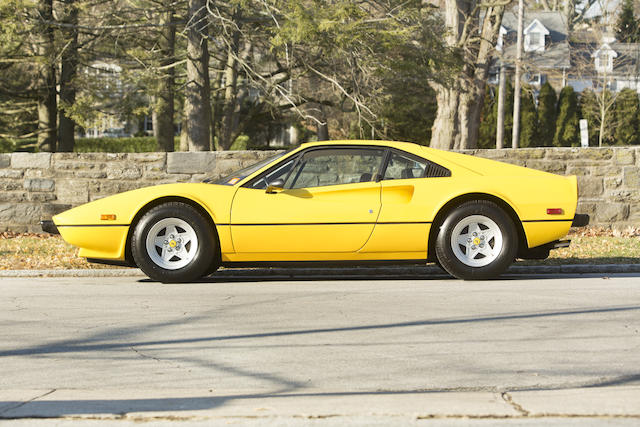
{"x": 241, "y": 174}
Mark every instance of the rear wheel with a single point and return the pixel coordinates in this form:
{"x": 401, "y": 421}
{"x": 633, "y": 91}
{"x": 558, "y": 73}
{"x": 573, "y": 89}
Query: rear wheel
{"x": 477, "y": 241}
{"x": 173, "y": 242}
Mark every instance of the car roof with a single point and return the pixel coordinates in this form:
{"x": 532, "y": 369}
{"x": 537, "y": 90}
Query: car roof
{"x": 407, "y": 146}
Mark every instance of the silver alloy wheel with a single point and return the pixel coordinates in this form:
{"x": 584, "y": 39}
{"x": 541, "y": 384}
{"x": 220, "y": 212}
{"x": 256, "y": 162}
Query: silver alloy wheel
{"x": 171, "y": 243}
{"x": 476, "y": 241}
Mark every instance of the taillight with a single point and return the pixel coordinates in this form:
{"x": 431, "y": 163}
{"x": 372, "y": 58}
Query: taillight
{"x": 555, "y": 211}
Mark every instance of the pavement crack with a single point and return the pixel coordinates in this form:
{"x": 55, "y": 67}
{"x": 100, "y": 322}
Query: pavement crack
{"x": 509, "y": 399}
{"x": 146, "y": 356}
{"x": 21, "y": 404}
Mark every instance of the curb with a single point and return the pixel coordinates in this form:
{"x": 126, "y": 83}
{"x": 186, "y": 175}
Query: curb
{"x": 397, "y": 271}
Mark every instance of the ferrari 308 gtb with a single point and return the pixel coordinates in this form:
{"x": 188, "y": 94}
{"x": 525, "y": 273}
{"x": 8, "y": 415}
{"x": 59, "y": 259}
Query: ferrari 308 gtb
{"x": 334, "y": 202}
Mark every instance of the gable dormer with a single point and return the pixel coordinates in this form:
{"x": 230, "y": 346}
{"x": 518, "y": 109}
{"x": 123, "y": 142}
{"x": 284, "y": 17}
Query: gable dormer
{"x": 535, "y": 36}
{"x": 604, "y": 58}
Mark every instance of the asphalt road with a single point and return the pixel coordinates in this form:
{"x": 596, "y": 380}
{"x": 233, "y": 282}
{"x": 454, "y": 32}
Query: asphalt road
{"x": 325, "y": 350}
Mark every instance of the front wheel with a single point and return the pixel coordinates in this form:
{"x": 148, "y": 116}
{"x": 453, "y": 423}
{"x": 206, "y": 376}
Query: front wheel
{"x": 477, "y": 241}
{"x": 173, "y": 242}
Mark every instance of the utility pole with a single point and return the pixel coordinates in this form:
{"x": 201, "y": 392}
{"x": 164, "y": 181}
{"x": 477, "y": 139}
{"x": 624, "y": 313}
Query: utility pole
{"x": 516, "y": 86}
{"x": 502, "y": 87}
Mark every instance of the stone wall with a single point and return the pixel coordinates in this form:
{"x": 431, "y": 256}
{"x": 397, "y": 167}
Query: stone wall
{"x": 37, "y": 186}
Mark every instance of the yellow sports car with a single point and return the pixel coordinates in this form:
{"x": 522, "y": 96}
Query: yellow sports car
{"x": 334, "y": 202}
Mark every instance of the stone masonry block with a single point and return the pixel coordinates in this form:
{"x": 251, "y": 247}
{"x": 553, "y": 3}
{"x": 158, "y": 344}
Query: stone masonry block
{"x": 607, "y": 213}
{"x": 31, "y": 160}
{"x": 612, "y": 182}
{"x": 38, "y": 184}
{"x": 631, "y": 177}
{"x": 72, "y": 191}
{"x": 147, "y": 157}
{"x": 543, "y": 165}
{"x": 590, "y": 187}
{"x": 5, "y": 160}
{"x": 124, "y": 171}
{"x": 193, "y": 162}
{"x": 624, "y": 156}
{"x": 11, "y": 173}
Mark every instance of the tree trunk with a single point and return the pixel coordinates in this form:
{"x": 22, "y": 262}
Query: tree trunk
{"x": 445, "y": 125}
{"x": 457, "y": 120}
{"x": 69, "y": 68}
{"x": 47, "y": 108}
{"x": 163, "y": 126}
{"x": 196, "y": 104}
{"x": 322, "y": 127}
{"x": 230, "y": 92}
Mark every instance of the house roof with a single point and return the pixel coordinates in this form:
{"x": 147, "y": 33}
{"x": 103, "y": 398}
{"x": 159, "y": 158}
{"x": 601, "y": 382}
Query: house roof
{"x": 626, "y": 62}
{"x": 555, "y": 55}
{"x": 552, "y": 21}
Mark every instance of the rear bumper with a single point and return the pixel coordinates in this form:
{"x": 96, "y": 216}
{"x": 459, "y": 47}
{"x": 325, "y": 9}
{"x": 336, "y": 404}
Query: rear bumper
{"x": 580, "y": 220}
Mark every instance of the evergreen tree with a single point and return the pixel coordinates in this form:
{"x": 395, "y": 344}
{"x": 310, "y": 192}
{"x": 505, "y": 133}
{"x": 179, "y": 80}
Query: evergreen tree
{"x": 626, "y": 115}
{"x": 547, "y": 100}
{"x": 589, "y": 111}
{"x": 488, "y": 119}
{"x": 528, "y": 120}
{"x": 627, "y": 29}
{"x": 488, "y": 135}
{"x": 567, "y": 132}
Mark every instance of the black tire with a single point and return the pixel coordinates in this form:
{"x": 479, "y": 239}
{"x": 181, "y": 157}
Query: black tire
{"x": 198, "y": 260}
{"x": 466, "y": 262}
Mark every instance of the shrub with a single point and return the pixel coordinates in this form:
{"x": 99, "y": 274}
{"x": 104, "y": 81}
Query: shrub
{"x": 567, "y": 132}
{"x": 546, "y": 115}
{"x": 626, "y": 112}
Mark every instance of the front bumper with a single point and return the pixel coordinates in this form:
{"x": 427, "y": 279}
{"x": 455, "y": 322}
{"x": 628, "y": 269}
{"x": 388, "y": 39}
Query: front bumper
{"x": 49, "y": 227}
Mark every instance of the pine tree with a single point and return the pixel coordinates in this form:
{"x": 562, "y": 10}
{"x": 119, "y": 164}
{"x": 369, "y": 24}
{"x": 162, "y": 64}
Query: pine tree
{"x": 589, "y": 111}
{"x": 626, "y": 113}
{"x": 488, "y": 120}
{"x": 490, "y": 139}
{"x": 547, "y": 100}
{"x": 528, "y": 120}
{"x": 567, "y": 133}
{"x": 627, "y": 27}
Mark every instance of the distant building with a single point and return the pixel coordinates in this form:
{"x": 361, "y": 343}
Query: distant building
{"x": 609, "y": 64}
{"x": 546, "y": 55}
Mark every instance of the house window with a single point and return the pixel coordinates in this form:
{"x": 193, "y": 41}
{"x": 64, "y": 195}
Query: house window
{"x": 534, "y": 39}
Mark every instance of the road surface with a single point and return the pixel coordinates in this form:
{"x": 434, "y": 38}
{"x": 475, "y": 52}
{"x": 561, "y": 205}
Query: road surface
{"x": 322, "y": 350}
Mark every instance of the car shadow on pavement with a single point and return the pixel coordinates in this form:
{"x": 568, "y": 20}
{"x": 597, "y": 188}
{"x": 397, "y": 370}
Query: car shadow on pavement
{"x": 279, "y": 275}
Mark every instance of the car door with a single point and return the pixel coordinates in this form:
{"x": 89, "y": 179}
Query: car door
{"x": 411, "y": 188}
{"x": 329, "y": 203}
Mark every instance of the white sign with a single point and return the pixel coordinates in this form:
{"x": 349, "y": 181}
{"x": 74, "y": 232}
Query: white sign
{"x": 584, "y": 133}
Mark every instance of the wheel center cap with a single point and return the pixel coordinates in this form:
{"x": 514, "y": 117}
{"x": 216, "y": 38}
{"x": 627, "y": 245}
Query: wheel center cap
{"x": 173, "y": 243}
{"x": 476, "y": 241}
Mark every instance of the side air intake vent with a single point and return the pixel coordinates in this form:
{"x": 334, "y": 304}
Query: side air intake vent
{"x": 436, "y": 171}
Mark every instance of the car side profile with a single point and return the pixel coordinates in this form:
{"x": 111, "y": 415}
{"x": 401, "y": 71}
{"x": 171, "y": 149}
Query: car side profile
{"x": 334, "y": 202}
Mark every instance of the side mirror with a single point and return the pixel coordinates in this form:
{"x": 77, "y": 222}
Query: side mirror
{"x": 275, "y": 186}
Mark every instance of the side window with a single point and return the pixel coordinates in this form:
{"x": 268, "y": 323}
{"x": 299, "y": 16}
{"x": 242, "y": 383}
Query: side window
{"x": 335, "y": 166}
{"x": 403, "y": 167}
{"x": 280, "y": 172}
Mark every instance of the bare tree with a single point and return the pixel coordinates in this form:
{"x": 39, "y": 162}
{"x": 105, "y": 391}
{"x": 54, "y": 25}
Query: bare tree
{"x": 69, "y": 66}
{"x": 47, "y": 106}
{"x": 473, "y": 29}
{"x": 196, "y": 105}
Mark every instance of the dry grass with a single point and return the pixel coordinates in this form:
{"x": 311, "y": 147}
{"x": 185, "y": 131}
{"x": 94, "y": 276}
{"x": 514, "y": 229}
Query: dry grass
{"x": 21, "y": 251}
{"x": 29, "y": 251}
